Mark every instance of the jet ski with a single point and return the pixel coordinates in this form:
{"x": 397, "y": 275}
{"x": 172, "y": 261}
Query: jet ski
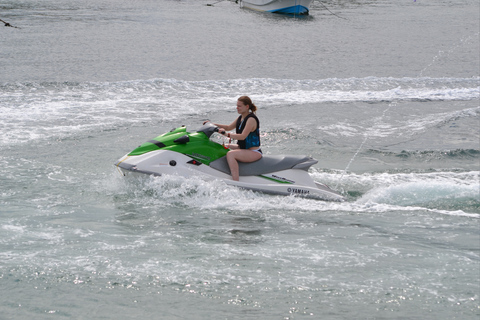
{"x": 183, "y": 153}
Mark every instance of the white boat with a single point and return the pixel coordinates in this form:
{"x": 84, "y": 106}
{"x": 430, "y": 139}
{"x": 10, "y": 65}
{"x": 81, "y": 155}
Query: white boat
{"x": 300, "y": 7}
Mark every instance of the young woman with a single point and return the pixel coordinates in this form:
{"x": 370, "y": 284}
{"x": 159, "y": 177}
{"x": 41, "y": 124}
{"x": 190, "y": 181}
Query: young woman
{"x": 247, "y": 133}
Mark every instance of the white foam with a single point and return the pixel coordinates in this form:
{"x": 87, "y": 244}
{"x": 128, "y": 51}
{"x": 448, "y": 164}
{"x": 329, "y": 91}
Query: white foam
{"x": 409, "y": 126}
{"x": 381, "y": 193}
{"x": 34, "y": 111}
{"x": 416, "y": 191}
{"x": 14, "y": 228}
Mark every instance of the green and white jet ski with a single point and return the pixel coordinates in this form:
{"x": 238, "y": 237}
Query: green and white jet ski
{"x": 183, "y": 153}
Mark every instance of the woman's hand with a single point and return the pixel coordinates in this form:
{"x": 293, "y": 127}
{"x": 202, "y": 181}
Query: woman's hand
{"x": 221, "y": 131}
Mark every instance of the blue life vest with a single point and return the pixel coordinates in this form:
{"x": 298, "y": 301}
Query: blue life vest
{"x": 253, "y": 138}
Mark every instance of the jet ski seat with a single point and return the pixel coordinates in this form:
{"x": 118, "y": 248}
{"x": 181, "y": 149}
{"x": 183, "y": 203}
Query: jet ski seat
{"x": 266, "y": 164}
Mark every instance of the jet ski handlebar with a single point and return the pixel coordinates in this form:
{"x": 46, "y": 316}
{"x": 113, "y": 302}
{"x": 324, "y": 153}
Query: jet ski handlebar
{"x": 208, "y": 128}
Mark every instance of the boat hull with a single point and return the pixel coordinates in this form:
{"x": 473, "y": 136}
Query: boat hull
{"x": 300, "y": 7}
{"x": 285, "y": 182}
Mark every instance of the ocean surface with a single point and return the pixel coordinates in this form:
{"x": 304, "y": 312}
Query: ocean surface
{"x": 385, "y": 94}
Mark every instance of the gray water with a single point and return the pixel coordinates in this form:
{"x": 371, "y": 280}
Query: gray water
{"x": 385, "y": 94}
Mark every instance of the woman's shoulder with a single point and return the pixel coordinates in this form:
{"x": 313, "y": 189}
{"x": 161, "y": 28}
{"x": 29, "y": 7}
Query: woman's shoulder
{"x": 253, "y": 116}
{"x": 253, "y": 120}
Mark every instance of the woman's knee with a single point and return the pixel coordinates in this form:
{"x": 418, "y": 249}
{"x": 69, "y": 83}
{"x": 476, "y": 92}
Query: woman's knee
{"x": 231, "y": 155}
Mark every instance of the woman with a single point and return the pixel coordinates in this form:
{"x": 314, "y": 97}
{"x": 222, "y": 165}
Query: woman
{"x": 247, "y": 133}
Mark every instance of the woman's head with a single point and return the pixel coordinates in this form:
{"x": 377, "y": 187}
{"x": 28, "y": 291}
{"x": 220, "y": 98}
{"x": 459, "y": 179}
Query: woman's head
{"x": 248, "y": 102}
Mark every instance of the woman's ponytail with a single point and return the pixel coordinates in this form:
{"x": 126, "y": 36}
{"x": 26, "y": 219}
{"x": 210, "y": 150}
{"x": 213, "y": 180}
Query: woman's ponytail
{"x": 248, "y": 102}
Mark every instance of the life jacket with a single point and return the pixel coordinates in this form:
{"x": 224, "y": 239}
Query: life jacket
{"x": 253, "y": 138}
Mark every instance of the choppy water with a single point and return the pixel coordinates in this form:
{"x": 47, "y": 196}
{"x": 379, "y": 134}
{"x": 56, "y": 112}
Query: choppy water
{"x": 387, "y": 99}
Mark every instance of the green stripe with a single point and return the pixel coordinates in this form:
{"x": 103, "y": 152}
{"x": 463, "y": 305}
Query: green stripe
{"x": 275, "y": 180}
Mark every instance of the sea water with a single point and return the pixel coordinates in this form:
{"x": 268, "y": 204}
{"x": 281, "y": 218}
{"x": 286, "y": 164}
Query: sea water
{"x": 385, "y": 94}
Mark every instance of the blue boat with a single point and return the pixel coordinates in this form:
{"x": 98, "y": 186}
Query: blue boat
{"x": 300, "y": 7}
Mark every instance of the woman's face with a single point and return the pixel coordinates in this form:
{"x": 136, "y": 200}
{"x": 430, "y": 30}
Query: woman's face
{"x": 241, "y": 107}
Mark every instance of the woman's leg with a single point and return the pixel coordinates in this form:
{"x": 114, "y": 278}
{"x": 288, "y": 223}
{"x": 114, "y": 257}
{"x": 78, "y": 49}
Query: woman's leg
{"x": 242, "y": 155}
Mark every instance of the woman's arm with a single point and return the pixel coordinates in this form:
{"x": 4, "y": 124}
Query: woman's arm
{"x": 226, "y": 127}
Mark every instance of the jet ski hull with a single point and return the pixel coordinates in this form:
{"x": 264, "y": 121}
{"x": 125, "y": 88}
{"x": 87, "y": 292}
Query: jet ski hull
{"x": 291, "y": 181}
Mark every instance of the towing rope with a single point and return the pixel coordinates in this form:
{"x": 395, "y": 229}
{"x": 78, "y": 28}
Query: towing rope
{"x": 120, "y": 163}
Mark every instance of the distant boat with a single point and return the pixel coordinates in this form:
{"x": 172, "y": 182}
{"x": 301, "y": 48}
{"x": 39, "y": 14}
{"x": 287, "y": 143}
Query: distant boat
{"x": 278, "y": 6}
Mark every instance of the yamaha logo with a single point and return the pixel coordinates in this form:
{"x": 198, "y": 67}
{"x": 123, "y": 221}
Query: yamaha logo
{"x": 298, "y": 191}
